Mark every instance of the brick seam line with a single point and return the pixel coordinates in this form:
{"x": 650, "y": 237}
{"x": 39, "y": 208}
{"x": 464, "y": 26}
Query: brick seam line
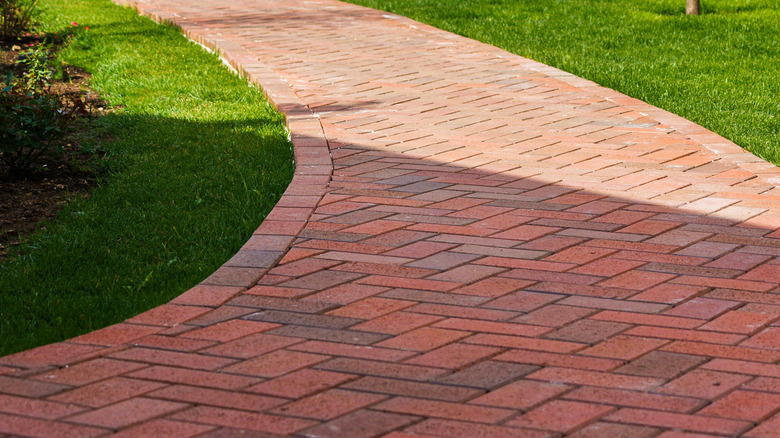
{"x": 246, "y": 267}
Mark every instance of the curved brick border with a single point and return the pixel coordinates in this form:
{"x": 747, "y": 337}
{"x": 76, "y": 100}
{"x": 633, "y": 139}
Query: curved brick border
{"x": 268, "y": 244}
{"x": 313, "y": 165}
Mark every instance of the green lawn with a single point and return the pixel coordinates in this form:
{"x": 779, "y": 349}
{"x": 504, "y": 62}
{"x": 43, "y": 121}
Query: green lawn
{"x": 198, "y": 160}
{"x": 720, "y": 70}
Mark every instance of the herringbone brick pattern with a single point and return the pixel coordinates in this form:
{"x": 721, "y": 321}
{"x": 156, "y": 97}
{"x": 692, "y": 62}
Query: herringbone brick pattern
{"x": 474, "y": 245}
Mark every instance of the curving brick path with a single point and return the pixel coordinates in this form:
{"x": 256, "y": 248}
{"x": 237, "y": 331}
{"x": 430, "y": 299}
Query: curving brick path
{"x": 474, "y": 245}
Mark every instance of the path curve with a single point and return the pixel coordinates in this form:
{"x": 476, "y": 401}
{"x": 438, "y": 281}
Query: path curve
{"x": 474, "y": 244}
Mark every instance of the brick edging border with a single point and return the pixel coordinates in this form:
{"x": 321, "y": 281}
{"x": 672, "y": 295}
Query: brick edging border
{"x": 263, "y": 250}
{"x": 313, "y": 164}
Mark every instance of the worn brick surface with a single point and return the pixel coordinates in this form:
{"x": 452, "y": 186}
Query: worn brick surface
{"x": 413, "y": 389}
{"x": 329, "y": 404}
{"x": 692, "y": 423}
{"x": 107, "y": 392}
{"x": 87, "y": 372}
{"x": 614, "y": 430}
{"x": 744, "y": 405}
{"x": 767, "y": 429}
{"x": 559, "y": 360}
{"x": 562, "y": 415}
{"x": 703, "y": 384}
{"x": 462, "y": 429}
{"x": 522, "y": 394}
{"x": 301, "y": 383}
{"x": 441, "y": 409}
{"x": 15, "y": 425}
{"x": 164, "y": 428}
{"x": 215, "y": 397}
{"x": 474, "y": 244}
{"x": 648, "y": 400}
{"x": 127, "y": 412}
{"x": 36, "y": 408}
{"x": 661, "y": 364}
{"x": 243, "y": 420}
{"x": 360, "y": 424}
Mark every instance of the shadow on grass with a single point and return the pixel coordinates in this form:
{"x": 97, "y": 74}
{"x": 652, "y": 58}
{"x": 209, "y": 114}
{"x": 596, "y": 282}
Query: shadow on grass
{"x": 181, "y": 197}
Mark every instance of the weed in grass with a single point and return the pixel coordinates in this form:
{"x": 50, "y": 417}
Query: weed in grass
{"x": 38, "y": 66}
{"x": 718, "y": 69}
{"x": 199, "y": 159}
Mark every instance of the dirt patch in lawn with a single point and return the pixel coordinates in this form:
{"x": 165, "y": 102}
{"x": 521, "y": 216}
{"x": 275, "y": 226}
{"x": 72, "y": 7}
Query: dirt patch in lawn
{"x": 28, "y": 200}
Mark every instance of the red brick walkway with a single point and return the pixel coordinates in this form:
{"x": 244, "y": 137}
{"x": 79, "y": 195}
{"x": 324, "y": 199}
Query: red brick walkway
{"x": 482, "y": 246}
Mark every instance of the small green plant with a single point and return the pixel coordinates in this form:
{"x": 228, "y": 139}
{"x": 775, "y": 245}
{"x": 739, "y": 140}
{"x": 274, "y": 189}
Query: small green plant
{"x": 38, "y": 67}
{"x": 32, "y": 118}
{"x": 31, "y": 121}
{"x": 15, "y": 17}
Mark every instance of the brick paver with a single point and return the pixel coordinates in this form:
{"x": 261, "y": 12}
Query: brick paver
{"x": 474, "y": 244}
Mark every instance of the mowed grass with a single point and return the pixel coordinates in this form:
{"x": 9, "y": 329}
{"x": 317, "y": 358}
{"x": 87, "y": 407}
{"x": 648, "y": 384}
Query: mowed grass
{"x": 720, "y": 70}
{"x": 198, "y": 159}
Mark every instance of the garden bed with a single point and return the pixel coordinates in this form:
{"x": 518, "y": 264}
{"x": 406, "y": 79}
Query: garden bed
{"x": 30, "y": 198}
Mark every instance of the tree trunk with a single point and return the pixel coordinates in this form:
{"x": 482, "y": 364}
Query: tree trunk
{"x": 693, "y": 7}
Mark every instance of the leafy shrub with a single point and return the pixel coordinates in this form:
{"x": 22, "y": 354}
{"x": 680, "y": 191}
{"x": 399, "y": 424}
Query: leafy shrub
{"x": 30, "y": 124}
{"x": 38, "y": 66}
{"x": 32, "y": 118}
{"x": 15, "y": 17}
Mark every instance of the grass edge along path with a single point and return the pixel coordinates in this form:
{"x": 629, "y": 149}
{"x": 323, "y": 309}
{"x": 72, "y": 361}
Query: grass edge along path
{"x": 199, "y": 158}
{"x": 718, "y": 70}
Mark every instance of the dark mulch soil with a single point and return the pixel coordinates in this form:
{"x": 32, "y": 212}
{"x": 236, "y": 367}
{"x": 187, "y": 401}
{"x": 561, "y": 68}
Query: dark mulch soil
{"x": 26, "y": 201}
